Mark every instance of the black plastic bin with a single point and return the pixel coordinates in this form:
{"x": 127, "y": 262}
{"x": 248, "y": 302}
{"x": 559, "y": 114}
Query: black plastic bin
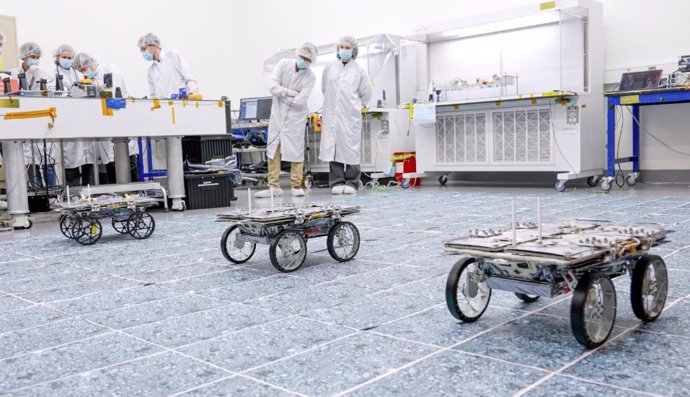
{"x": 208, "y": 190}
{"x": 199, "y": 149}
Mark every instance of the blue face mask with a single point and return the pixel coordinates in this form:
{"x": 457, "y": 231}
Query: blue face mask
{"x": 66, "y": 63}
{"x": 345, "y": 54}
{"x": 147, "y": 55}
{"x": 302, "y": 64}
{"x": 32, "y": 62}
{"x": 90, "y": 74}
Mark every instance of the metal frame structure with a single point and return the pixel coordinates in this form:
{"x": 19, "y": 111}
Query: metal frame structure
{"x": 633, "y": 100}
{"x": 55, "y": 118}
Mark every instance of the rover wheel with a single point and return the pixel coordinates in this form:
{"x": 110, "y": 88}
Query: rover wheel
{"x": 343, "y": 241}
{"x": 467, "y": 296}
{"x": 649, "y": 287}
{"x": 234, "y": 248}
{"x": 593, "y": 309}
{"x": 288, "y": 251}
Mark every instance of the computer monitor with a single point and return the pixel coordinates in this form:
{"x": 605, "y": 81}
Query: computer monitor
{"x": 646, "y": 80}
{"x": 255, "y": 108}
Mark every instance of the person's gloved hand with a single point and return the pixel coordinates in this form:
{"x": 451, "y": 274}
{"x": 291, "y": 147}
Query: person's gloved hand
{"x": 292, "y": 93}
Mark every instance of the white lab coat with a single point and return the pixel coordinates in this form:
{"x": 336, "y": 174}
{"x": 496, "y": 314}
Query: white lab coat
{"x": 77, "y": 152}
{"x": 289, "y": 114}
{"x": 346, "y": 89}
{"x": 170, "y": 73}
{"x": 106, "y": 148}
{"x": 37, "y": 153}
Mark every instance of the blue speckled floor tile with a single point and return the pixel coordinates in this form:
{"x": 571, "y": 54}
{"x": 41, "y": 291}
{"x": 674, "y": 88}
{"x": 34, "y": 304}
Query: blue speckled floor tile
{"x": 77, "y": 290}
{"x": 453, "y": 373}
{"x": 390, "y": 277}
{"x": 150, "y": 312}
{"x": 9, "y": 303}
{"x": 565, "y": 386}
{"x": 332, "y": 270}
{"x": 216, "y": 280}
{"x": 641, "y": 361}
{"x": 28, "y": 317}
{"x": 86, "y": 355}
{"x": 238, "y": 386}
{"x": 180, "y": 330}
{"x": 373, "y": 310}
{"x": 540, "y": 341}
{"x": 320, "y": 296}
{"x": 110, "y": 300}
{"x": 674, "y": 320}
{"x": 341, "y": 365}
{"x": 266, "y": 343}
{"x": 159, "y": 375}
{"x": 176, "y": 273}
{"x": 253, "y": 290}
{"x": 437, "y": 326}
{"x": 48, "y": 335}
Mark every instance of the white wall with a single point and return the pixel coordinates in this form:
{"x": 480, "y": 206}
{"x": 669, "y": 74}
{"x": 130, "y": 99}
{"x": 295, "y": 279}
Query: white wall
{"x": 226, "y": 42}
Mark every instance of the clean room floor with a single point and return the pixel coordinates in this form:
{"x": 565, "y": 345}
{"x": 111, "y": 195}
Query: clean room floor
{"x": 169, "y": 315}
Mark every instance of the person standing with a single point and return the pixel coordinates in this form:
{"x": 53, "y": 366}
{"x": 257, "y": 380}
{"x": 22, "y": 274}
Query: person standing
{"x": 291, "y": 85}
{"x": 346, "y": 89}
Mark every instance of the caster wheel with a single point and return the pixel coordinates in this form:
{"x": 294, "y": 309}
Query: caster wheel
{"x": 605, "y": 185}
{"x": 649, "y": 287}
{"x": 288, "y": 251}
{"x": 87, "y": 231}
{"x": 560, "y": 186}
{"x": 443, "y": 179}
{"x": 467, "y": 295}
{"x": 234, "y": 248}
{"x": 592, "y": 181}
{"x": 593, "y": 309}
{"x": 405, "y": 184}
{"x": 527, "y": 298}
{"x": 141, "y": 225}
{"x": 343, "y": 241}
{"x": 631, "y": 179}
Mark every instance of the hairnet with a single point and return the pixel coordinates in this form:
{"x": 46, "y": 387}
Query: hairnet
{"x": 352, "y": 41}
{"x": 149, "y": 39}
{"x": 63, "y": 48}
{"x": 2, "y": 38}
{"x": 28, "y": 49}
{"x": 83, "y": 60}
{"x": 308, "y": 50}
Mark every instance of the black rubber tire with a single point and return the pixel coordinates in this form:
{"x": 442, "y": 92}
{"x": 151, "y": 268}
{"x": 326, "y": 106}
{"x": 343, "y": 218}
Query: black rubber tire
{"x": 578, "y": 306}
{"x": 66, "y": 224}
{"x": 332, "y": 235}
{"x": 452, "y": 290}
{"x": 87, "y": 231}
{"x": 136, "y": 224}
{"x": 443, "y": 179}
{"x": 637, "y": 283}
{"x": 527, "y": 298}
{"x": 560, "y": 186}
{"x": 224, "y": 246}
{"x": 631, "y": 180}
{"x": 121, "y": 227}
{"x": 272, "y": 252}
{"x": 593, "y": 181}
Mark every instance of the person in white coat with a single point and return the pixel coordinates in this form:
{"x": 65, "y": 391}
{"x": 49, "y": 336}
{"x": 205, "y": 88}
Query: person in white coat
{"x": 89, "y": 66}
{"x": 39, "y": 156}
{"x": 291, "y": 85}
{"x": 346, "y": 89}
{"x": 79, "y": 154}
{"x": 168, "y": 71}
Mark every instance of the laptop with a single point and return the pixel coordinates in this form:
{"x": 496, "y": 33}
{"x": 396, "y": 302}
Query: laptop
{"x": 637, "y": 81}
